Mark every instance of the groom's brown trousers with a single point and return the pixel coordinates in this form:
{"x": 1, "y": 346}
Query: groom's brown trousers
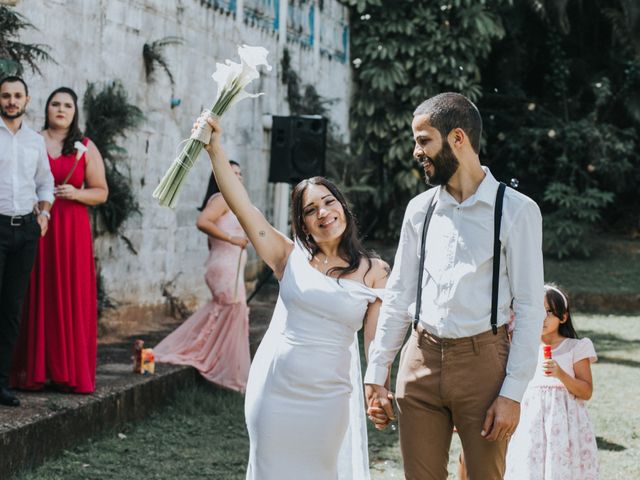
{"x": 447, "y": 382}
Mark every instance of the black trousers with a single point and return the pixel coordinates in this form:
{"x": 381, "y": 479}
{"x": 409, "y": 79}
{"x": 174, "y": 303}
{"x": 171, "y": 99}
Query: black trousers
{"x": 18, "y": 245}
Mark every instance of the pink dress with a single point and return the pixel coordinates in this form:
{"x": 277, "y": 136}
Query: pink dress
{"x": 554, "y": 439}
{"x": 215, "y": 339}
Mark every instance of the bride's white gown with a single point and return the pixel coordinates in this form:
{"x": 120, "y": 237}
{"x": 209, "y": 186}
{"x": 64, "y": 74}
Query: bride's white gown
{"x": 304, "y": 405}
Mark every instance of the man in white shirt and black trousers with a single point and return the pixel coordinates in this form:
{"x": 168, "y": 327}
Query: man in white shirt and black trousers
{"x": 26, "y": 195}
{"x": 459, "y": 366}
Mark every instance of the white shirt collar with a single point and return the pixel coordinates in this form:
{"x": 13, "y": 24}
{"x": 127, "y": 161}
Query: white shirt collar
{"x": 486, "y": 192}
{"x": 23, "y": 126}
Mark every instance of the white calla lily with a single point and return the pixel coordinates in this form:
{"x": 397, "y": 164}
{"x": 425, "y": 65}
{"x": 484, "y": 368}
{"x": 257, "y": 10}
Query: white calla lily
{"x": 224, "y": 75}
{"x": 254, "y": 56}
{"x": 80, "y": 149}
{"x": 231, "y": 79}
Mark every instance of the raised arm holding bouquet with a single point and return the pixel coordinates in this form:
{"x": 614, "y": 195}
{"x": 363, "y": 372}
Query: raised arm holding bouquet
{"x": 304, "y": 385}
{"x": 232, "y": 78}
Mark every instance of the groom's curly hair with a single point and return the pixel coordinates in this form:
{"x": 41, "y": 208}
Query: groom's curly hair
{"x": 450, "y": 110}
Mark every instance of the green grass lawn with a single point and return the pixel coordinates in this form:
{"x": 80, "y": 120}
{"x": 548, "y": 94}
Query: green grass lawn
{"x": 202, "y": 434}
{"x": 614, "y": 407}
{"x": 614, "y": 267}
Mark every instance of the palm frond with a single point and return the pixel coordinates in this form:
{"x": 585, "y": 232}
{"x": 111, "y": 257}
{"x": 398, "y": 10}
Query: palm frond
{"x": 15, "y": 55}
{"x": 109, "y": 114}
{"x": 153, "y": 54}
{"x": 11, "y": 22}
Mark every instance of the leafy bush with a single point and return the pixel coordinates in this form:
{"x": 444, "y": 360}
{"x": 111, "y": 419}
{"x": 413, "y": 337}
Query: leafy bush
{"x": 560, "y": 115}
{"x": 109, "y": 115}
{"x": 567, "y": 228}
{"x": 404, "y": 52}
{"x": 557, "y": 83}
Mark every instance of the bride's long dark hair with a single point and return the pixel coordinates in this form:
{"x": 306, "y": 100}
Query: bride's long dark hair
{"x": 212, "y": 187}
{"x": 350, "y": 249}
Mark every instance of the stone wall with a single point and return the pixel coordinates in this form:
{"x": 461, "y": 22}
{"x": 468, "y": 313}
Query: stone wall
{"x": 102, "y": 40}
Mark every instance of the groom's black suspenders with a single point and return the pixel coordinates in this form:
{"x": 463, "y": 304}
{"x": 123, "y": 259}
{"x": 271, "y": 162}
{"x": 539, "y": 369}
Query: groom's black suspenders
{"x": 497, "y": 220}
{"x": 423, "y": 254}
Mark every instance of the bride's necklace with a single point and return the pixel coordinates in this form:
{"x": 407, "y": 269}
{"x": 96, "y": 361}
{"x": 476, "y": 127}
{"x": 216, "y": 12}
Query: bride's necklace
{"x": 323, "y": 265}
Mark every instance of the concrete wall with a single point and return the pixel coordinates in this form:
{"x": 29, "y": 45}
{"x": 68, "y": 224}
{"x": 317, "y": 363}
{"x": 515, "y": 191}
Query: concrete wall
{"x": 102, "y": 40}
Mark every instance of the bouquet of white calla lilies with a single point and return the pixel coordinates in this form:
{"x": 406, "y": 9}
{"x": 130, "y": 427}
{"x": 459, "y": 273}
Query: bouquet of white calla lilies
{"x": 231, "y": 78}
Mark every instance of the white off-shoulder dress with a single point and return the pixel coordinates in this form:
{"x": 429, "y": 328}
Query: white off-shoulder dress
{"x": 304, "y": 405}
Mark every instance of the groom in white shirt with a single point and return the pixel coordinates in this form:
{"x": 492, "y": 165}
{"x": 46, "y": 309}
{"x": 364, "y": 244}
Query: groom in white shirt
{"x": 456, "y": 369}
{"x": 26, "y": 195}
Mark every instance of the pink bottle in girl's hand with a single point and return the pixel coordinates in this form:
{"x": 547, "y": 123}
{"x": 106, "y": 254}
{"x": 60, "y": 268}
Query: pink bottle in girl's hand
{"x": 547, "y": 354}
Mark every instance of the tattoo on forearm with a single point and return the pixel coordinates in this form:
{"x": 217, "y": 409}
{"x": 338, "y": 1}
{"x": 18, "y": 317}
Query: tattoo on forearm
{"x": 262, "y": 233}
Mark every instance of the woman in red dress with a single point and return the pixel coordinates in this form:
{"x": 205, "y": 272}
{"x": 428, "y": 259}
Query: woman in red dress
{"x": 58, "y": 333}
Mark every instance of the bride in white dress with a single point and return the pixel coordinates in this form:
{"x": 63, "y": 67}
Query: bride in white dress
{"x": 304, "y": 405}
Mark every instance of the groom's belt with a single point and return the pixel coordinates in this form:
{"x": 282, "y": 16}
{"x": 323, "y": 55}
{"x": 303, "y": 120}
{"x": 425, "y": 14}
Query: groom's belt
{"x": 425, "y": 337}
{"x": 17, "y": 220}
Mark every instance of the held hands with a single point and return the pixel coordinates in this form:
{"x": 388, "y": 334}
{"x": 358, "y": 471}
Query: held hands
{"x": 380, "y": 406}
{"x": 44, "y": 224}
{"x": 66, "y": 191}
{"x": 501, "y": 420}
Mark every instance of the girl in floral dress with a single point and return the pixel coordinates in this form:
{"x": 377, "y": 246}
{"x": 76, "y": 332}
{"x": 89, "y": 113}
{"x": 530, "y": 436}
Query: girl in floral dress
{"x": 554, "y": 439}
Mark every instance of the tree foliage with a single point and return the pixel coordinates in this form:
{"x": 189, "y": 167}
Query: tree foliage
{"x": 557, "y": 83}
{"x": 15, "y": 55}
{"x": 404, "y": 52}
{"x": 562, "y": 113}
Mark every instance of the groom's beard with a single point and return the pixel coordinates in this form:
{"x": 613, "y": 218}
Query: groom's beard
{"x": 17, "y": 113}
{"x": 444, "y": 165}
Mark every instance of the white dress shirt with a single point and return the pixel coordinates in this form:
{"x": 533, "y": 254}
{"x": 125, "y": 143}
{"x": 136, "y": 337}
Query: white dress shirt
{"x": 456, "y": 295}
{"x": 25, "y": 175}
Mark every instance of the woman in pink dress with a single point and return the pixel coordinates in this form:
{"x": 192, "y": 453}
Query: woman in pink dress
{"x": 215, "y": 339}
{"x": 58, "y": 332}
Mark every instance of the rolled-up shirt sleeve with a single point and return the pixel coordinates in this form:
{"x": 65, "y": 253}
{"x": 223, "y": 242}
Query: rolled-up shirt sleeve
{"x": 394, "y": 319}
{"x": 43, "y": 177}
{"x": 526, "y": 277}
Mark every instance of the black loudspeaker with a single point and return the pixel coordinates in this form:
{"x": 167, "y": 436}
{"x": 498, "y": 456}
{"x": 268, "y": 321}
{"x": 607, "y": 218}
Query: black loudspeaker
{"x": 297, "y": 148}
